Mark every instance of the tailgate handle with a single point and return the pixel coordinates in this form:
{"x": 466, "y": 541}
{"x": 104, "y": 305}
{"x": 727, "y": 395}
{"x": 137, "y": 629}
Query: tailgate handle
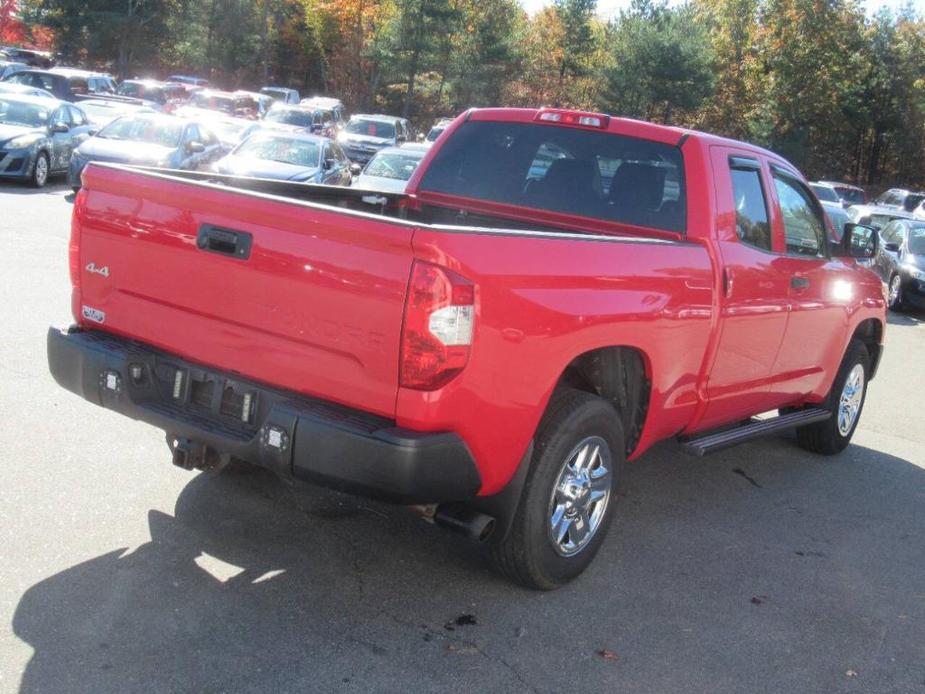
{"x": 236, "y": 244}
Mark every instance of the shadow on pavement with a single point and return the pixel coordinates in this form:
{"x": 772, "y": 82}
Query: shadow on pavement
{"x": 761, "y": 570}
{"x": 906, "y": 317}
{"x": 53, "y": 187}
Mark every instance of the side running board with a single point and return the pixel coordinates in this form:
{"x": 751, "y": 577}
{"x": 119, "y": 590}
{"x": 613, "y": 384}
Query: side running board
{"x": 702, "y": 444}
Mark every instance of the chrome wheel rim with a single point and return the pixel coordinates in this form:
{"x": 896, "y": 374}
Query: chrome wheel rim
{"x": 849, "y": 404}
{"x": 580, "y": 496}
{"x": 41, "y": 170}
{"x": 895, "y": 285}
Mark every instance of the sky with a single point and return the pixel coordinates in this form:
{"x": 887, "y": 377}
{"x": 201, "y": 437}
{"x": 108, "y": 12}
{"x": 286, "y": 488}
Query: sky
{"x": 608, "y": 8}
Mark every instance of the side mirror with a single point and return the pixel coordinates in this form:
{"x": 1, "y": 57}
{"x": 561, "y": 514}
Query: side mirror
{"x": 891, "y": 247}
{"x": 60, "y": 127}
{"x": 195, "y": 147}
{"x": 329, "y": 164}
{"x": 356, "y": 169}
{"x": 859, "y": 241}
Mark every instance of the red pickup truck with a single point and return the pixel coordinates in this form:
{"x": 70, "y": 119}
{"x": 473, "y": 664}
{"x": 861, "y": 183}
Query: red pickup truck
{"x": 555, "y": 292}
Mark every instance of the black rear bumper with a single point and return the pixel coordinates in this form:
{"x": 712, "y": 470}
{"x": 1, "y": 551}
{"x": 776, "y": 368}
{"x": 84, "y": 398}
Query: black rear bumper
{"x": 310, "y": 439}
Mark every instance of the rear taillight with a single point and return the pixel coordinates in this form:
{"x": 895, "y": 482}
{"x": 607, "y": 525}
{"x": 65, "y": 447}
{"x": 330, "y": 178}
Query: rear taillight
{"x": 437, "y": 332}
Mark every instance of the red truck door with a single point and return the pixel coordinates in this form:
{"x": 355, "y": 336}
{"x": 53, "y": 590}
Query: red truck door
{"x": 755, "y": 293}
{"x": 819, "y": 293}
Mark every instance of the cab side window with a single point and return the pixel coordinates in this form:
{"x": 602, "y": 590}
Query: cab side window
{"x": 752, "y": 225}
{"x": 804, "y": 228}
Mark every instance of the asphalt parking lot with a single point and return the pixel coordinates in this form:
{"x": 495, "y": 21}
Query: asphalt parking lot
{"x": 760, "y": 569}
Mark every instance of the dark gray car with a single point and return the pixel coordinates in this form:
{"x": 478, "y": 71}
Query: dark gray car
{"x": 149, "y": 139}
{"x": 288, "y": 156}
{"x": 38, "y": 136}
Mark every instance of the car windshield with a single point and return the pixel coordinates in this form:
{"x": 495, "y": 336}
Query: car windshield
{"x": 392, "y": 165}
{"x": 852, "y": 195}
{"x": 373, "y": 128}
{"x": 14, "y": 112}
{"x": 824, "y": 193}
{"x": 290, "y": 116}
{"x": 213, "y": 102}
{"x": 285, "y": 150}
{"x": 917, "y": 240}
{"x": 435, "y": 133}
{"x": 575, "y": 171}
{"x": 154, "y": 131}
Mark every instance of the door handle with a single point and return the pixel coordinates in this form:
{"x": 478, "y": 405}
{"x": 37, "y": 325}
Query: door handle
{"x": 236, "y": 244}
{"x": 799, "y": 282}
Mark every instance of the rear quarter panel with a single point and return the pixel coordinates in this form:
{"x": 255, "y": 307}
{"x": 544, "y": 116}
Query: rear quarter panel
{"x": 544, "y": 299}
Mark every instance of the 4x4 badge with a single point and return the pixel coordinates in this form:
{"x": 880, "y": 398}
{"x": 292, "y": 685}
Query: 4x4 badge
{"x": 91, "y": 267}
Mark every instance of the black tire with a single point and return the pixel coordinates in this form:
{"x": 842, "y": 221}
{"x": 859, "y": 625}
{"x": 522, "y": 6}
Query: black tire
{"x": 40, "y": 171}
{"x": 825, "y": 437}
{"x": 895, "y": 301}
{"x": 527, "y": 554}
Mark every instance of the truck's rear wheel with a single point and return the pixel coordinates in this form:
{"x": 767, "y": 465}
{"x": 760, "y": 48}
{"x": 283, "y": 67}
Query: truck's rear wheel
{"x": 569, "y": 495}
{"x": 845, "y": 401}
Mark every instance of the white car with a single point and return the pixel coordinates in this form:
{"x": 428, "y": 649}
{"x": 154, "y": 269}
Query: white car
{"x": 390, "y": 168}
{"x": 24, "y": 90}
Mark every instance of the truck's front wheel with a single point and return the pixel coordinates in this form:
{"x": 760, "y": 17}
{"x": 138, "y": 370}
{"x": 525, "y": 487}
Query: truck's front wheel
{"x": 569, "y": 495}
{"x": 845, "y": 401}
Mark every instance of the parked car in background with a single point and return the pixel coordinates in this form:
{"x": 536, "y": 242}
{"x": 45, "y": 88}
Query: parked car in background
{"x": 281, "y": 95}
{"x": 229, "y": 103}
{"x": 8, "y": 67}
{"x": 232, "y": 131}
{"x": 97, "y": 82}
{"x": 390, "y": 169}
{"x": 336, "y": 106}
{"x": 313, "y": 119}
{"x": 364, "y": 135}
{"x": 38, "y": 136}
{"x": 896, "y": 203}
{"x": 900, "y": 262}
{"x": 67, "y": 85}
{"x": 899, "y": 199}
{"x": 288, "y": 156}
{"x": 162, "y": 96}
{"x": 190, "y": 80}
{"x": 102, "y": 112}
{"x": 24, "y": 90}
{"x": 833, "y": 208}
{"x": 259, "y": 103}
{"x": 33, "y": 58}
{"x": 848, "y": 193}
{"x": 148, "y": 139}
{"x": 435, "y": 130}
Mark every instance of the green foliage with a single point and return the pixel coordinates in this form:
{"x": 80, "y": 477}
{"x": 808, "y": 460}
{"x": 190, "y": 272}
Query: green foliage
{"x": 661, "y": 62}
{"x": 840, "y": 93}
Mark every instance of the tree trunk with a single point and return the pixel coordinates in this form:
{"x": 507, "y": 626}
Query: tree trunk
{"x": 412, "y": 74}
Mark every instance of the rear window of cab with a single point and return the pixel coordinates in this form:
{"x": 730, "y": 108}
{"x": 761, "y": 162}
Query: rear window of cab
{"x": 593, "y": 174}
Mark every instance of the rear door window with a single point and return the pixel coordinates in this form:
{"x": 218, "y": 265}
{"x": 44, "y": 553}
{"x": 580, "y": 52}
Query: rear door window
{"x": 575, "y": 171}
{"x": 752, "y": 225}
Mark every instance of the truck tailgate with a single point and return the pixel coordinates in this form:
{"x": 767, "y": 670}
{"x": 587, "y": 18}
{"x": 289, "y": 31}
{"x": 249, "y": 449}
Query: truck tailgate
{"x": 292, "y": 294}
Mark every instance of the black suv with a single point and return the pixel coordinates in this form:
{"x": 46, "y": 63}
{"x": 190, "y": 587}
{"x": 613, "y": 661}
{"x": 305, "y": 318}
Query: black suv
{"x": 64, "y": 84}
